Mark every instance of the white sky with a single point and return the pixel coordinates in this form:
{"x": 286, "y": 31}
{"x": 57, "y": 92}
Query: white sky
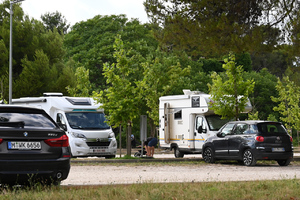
{"x": 80, "y": 10}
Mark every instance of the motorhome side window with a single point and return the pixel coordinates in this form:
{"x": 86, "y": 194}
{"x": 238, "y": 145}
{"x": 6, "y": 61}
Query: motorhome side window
{"x": 178, "y": 114}
{"x": 195, "y": 101}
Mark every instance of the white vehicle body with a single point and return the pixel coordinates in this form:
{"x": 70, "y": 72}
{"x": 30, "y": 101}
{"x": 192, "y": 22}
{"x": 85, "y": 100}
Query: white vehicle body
{"x": 186, "y": 121}
{"x": 81, "y": 118}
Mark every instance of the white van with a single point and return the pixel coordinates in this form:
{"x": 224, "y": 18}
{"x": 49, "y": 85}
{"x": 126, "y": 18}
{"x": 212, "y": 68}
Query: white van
{"x": 186, "y": 121}
{"x": 83, "y": 121}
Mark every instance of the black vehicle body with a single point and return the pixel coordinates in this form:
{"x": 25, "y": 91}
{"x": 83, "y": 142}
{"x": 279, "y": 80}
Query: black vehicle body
{"x": 249, "y": 141}
{"x": 32, "y": 147}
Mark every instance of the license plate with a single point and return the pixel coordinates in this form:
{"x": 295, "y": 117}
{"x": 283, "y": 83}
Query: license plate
{"x": 24, "y": 145}
{"x": 278, "y": 150}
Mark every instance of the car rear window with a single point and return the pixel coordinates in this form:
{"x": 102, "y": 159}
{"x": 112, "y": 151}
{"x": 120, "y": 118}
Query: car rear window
{"x": 25, "y": 120}
{"x": 271, "y": 127}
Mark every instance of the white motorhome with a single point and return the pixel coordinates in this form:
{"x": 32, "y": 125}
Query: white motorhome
{"x": 83, "y": 121}
{"x": 186, "y": 121}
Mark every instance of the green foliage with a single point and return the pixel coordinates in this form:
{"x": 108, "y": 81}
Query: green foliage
{"x": 90, "y": 43}
{"x": 121, "y": 100}
{"x": 163, "y": 75}
{"x": 265, "y": 87}
{"x": 288, "y": 100}
{"x": 230, "y": 95}
{"x": 83, "y": 85}
{"x": 55, "y": 21}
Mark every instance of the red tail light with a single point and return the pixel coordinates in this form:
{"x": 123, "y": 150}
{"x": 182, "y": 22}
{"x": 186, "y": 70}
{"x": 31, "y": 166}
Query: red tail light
{"x": 259, "y": 138}
{"x": 1, "y": 140}
{"x": 63, "y": 141}
{"x": 291, "y": 138}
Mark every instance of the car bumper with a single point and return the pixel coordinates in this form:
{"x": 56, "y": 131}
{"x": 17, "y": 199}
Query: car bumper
{"x": 25, "y": 170}
{"x": 263, "y": 155}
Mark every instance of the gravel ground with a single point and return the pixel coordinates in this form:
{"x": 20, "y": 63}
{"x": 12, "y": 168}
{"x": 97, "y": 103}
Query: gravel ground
{"x": 124, "y": 174}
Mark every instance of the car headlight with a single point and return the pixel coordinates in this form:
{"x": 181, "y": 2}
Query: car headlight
{"x": 111, "y": 135}
{"x": 78, "y": 135}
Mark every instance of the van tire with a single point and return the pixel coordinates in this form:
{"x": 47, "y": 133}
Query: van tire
{"x": 177, "y": 153}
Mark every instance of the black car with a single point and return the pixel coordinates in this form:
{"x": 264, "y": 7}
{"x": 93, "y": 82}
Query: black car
{"x": 249, "y": 141}
{"x": 32, "y": 147}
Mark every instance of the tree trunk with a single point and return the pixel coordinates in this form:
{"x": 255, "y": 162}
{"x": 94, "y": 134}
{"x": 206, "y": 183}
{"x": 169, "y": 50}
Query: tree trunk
{"x": 120, "y": 139}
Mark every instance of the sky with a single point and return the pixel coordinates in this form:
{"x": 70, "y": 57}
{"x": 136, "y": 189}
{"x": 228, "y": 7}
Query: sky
{"x": 80, "y": 10}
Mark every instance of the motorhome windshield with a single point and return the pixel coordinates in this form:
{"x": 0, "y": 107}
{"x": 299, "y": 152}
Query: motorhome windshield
{"x": 87, "y": 120}
{"x": 215, "y": 122}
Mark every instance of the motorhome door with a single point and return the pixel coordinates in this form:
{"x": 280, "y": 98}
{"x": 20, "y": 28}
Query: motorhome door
{"x": 201, "y": 131}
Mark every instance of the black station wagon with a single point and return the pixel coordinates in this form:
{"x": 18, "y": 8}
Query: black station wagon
{"x": 249, "y": 141}
{"x": 32, "y": 147}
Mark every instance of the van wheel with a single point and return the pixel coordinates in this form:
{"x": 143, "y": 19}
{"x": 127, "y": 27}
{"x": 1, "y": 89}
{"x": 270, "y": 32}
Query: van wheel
{"x": 284, "y": 162}
{"x": 248, "y": 158}
{"x": 177, "y": 153}
{"x": 208, "y": 155}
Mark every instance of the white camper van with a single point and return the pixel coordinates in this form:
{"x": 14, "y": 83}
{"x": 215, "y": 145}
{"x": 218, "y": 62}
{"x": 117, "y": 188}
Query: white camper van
{"x": 83, "y": 121}
{"x": 186, "y": 121}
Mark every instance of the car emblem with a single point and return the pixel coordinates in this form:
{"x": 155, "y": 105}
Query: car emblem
{"x": 98, "y": 140}
{"x": 278, "y": 138}
{"x": 25, "y": 134}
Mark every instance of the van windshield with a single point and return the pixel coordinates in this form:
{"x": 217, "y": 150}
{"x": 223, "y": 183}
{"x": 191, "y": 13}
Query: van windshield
{"x": 215, "y": 122}
{"x": 87, "y": 120}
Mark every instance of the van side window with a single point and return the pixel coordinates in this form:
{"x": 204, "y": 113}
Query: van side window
{"x": 178, "y": 115}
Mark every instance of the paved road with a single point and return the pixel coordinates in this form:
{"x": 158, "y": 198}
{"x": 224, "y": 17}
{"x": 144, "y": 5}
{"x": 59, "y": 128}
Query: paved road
{"x": 124, "y": 174}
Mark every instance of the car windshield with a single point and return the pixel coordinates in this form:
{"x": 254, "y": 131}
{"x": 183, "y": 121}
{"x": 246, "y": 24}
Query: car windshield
{"x": 21, "y": 120}
{"x": 215, "y": 122}
{"x": 87, "y": 120}
{"x": 271, "y": 127}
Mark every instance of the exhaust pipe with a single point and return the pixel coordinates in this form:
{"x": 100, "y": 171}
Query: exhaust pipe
{"x": 58, "y": 175}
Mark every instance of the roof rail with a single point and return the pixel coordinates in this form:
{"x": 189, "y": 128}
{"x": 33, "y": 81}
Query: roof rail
{"x": 52, "y": 94}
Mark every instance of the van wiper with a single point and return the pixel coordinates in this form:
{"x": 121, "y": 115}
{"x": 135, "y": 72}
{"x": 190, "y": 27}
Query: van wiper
{"x": 12, "y": 124}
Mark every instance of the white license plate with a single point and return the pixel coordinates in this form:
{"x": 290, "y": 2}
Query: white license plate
{"x": 278, "y": 150}
{"x": 24, "y": 145}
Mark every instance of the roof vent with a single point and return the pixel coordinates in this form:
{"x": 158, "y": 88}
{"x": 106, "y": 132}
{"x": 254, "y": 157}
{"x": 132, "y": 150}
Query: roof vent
{"x": 79, "y": 101}
{"x": 52, "y": 94}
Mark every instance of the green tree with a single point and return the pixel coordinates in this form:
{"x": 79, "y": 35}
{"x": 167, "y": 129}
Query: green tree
{"x": 163, "y": 75}
{"x": 288, "y": 100}
{"x": 83, "y": 85}
{"x": 213, "y": 28}
{"x": 230, "y": 93}
{"x": 121, "y": 100}
{"x": 55, "y": 20}
{"x": 90, "y": 43}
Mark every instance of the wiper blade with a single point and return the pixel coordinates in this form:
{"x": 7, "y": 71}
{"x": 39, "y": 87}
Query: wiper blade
{"x": 12, "y": 124}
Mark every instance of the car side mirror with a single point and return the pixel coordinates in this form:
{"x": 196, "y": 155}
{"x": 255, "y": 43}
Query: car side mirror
{"x": 201, "y": 130}
{"x": 63, "y": 126}
{"x": 220, "y": 134}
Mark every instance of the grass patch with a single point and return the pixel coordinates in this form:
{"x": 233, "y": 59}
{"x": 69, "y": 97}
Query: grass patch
{"x": 279, "y": 189}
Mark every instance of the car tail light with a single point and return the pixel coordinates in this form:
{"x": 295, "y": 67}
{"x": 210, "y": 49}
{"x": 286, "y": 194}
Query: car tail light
{"x": 259, "y": 138}
{"x": 1, "y": 140}
{"x": 291, "y": 138}
{"x": 63, "y": 141}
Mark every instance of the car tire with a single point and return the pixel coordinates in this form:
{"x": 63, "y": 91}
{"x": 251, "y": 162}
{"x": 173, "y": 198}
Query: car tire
{"x": 284, "y": 162}
{"x": 208, "y": 155}
{"x": 248, "y": 158}
{"x": 177, "y": 153}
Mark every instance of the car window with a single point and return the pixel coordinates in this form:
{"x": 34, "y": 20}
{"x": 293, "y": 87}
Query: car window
{"x": 271, "y": 127}
{"x": 32, "y": 120}
{"x": 227, "y": 129}
{"x": 241, "y": 129}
